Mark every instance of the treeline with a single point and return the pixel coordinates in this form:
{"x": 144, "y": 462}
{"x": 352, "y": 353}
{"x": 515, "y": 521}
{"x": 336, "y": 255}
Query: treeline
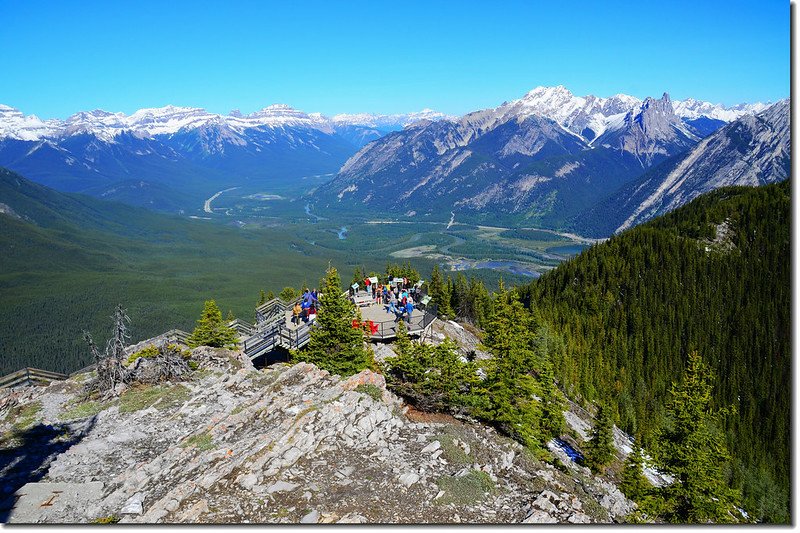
{"x": 713, "y": 277}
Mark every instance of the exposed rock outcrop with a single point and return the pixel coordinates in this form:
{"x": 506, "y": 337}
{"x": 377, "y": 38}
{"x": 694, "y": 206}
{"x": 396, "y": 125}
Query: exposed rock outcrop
{"x": 286, "y": 444}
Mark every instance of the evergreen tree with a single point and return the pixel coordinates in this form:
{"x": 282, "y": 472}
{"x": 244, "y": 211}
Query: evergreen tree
{"x": 432, "y": 378}
{"x": 634, "y": 484}
{"x": 270, "y": 296}
{"x": 692, "y": 450}
{"x": 288, "y": 294}
{"x": 211, "y": 330}
{"x": 480, "y": 302}
{"x": 600, "y": 449}
{"x": 262, "y": 298}
{"x": 336, "y": 345}
{"x": 402, "y": 342}
{"x": 460, "y": 298}
{"x": 438, "y": 293}
{"x": 631, "y": 308}
{"x": 510, "y": 385}
{"x": 358, "y": 276}
{"x": 552, "y": 403}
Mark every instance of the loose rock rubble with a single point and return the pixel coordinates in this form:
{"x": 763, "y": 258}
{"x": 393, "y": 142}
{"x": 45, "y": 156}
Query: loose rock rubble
{"x": 287, "y": 444}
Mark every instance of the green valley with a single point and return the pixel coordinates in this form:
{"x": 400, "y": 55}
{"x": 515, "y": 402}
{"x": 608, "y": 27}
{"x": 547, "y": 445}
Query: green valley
{"x": 67, "y": 259}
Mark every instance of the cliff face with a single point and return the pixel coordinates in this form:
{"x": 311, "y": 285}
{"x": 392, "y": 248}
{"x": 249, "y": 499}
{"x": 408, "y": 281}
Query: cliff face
{"x": 286, "y": 444}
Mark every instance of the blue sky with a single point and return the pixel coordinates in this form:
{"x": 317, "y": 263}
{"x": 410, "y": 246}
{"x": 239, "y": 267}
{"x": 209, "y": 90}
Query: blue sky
{"x": 60, "y": 57}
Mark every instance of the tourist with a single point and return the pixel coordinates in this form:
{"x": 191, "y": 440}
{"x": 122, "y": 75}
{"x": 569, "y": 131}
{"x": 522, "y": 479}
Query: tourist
{"x": 312, "y": 313}
{"x": 409, "y": 310}
{"x": 392, "y": 303}
{"x": 296, "y": 310}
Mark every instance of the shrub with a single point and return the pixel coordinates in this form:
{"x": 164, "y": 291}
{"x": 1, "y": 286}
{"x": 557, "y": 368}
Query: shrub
{"x": 85, "y": 410}
{"x": 110, "y": 519}
{"x": 147, "y": 352}
{"x": 370, "y": 390}
{"x": 24, "y": 416}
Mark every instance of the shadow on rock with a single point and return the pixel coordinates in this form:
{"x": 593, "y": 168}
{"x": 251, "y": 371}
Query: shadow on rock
{"x": 25, "y": 456}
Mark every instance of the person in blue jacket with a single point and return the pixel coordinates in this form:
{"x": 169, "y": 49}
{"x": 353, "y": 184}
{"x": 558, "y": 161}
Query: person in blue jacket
{"x": 409, "y": 310}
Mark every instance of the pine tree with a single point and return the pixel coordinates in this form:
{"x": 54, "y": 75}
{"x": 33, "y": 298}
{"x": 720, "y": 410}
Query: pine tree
{"x": 358, "y": 276}
{"x": 438, "y": 293}
{"x": 262, "y": 298}
{"x": 335, "y": 345}
{"x": 211, "y": 330}
{"x": 460, "y": 299}
{"x": 600, "y": 449}
{"x": 511, "y": 388}
{"x": 270, "y": 296}
{"x": 634, "y": 484}
{"x": 692, "y": 450}
{"x": 288, "y": 294}
{"x": 552, "y": 403}
{"x": 402, "y": 343}
{"x": 432, "y": 378}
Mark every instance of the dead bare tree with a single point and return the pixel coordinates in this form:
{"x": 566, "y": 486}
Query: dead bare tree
{"x": 110, "y": 369}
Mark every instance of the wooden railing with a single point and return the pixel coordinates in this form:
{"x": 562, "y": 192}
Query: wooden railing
{"x": 29, "y": 376}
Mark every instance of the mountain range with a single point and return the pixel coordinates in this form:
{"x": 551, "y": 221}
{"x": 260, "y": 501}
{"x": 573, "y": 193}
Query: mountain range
{"x": 170, "y": 158}
{"x": 550, "y": 157}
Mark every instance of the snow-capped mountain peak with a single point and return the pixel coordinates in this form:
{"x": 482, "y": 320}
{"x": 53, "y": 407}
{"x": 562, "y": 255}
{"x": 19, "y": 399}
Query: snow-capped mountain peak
{"x": 170, "y": 119}
{"x": 693, "y": 109}
{"x": 16, "y": 125}
{"x": 586, "y": 116}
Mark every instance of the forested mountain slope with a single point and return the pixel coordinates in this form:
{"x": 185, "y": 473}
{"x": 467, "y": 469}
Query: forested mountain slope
{"x": 67, "y": 259}
{"x": 712, "y": 276}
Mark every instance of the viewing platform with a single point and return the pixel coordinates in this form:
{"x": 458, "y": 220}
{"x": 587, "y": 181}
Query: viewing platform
{"x": 275, "y": 328}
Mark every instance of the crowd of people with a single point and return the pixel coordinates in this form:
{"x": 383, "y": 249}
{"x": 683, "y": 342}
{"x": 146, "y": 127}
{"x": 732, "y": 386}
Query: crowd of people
{"x": 305, "y": 309}
{"x": 399, "y": 295}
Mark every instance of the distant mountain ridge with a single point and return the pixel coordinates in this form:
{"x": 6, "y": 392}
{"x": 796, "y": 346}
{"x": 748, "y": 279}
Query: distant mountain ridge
{"x": 544, "y": 159}
{"x": 752, "y": 150}
{"x": 170, "y": 119}
{"x": 170, "y": 158}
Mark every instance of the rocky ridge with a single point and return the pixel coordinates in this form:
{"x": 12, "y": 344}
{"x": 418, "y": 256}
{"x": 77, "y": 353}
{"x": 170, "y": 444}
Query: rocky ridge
{"x": 285, "y": 444}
